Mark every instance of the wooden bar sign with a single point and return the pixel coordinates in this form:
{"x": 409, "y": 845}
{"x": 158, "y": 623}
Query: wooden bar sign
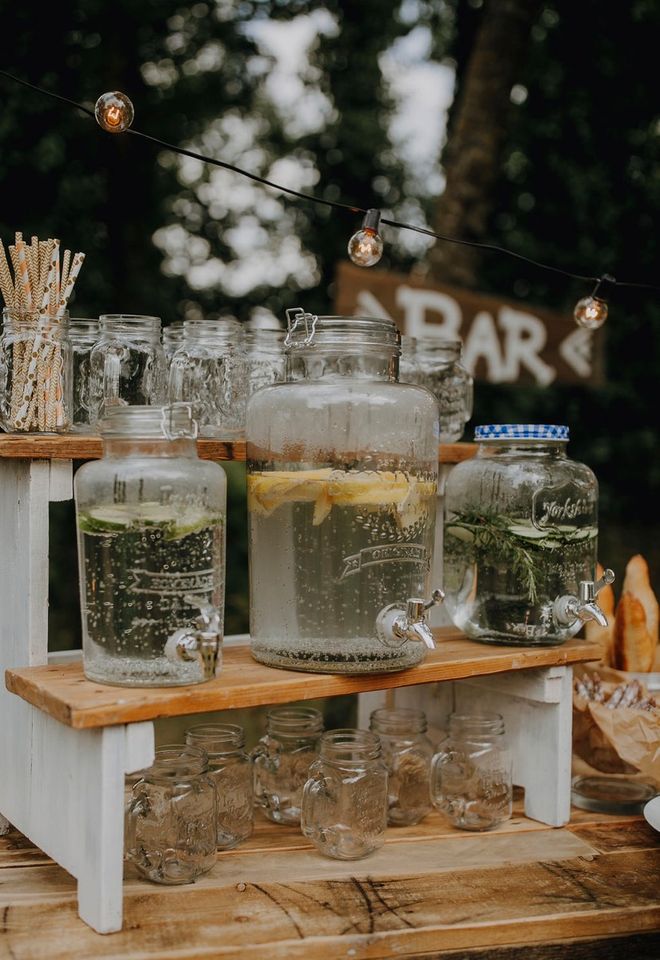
{"x": 503, "y": 341}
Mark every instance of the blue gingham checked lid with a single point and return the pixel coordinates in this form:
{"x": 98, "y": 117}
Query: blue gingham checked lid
{"x": 521, "y": 431}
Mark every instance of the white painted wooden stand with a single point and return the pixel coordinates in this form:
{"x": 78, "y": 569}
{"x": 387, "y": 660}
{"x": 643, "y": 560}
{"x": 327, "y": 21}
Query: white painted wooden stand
{"x": 64, "y": 788}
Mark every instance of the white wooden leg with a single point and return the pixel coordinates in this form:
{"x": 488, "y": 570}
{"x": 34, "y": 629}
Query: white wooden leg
{"x": 537, "y": 706}
{"x": 62, "y": 788}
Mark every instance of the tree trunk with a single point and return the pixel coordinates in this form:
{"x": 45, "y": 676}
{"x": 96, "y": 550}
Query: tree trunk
{"x": 473, "y": 152}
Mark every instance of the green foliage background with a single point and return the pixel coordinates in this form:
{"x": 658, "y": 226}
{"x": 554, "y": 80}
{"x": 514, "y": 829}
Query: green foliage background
{"x": 579, "y": 187}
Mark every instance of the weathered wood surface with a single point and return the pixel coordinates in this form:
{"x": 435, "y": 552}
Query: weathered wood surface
{"x": 62, "y": 691}
{"x": 76, "y": 446}
{"x": 523, "y": 893}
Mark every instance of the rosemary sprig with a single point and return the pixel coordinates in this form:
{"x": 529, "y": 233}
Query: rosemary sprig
{"x": 477, "y": 536}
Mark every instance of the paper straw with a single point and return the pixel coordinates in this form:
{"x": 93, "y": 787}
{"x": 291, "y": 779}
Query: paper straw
{"x": 19, "y": 300}
{"x": 45, "y": 250}
{"x": 23, "y": 277}
{"x": 76, "y": 264}
{"x": 66, "y": 263}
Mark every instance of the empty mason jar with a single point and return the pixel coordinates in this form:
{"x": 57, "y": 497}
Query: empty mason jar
{"x": 208, "y": 371}
{"x": 231, "y": 771}
{"x": 344, "y": 803}
{"x": 172, "y": 339}
{"x": 434, "y": 363}
{"x": 407, "y": 754}
{"x": 84, "y": 334}
{"x": 471, "y": 773}
{"x": 35, "y": 373}
{"x": 266, "y": 359}
{"x": 127, "y": 363}
{"x": 171, "y": 818}
{"x": 282, "y": 759}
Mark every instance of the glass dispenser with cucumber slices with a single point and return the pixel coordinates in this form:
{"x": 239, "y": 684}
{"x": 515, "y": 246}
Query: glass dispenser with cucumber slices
{"x": 151, "y": 547}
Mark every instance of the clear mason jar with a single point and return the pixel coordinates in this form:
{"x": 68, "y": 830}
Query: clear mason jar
{"x": 471, "y": 773}
{"x": 344, "y": 803}
{"x": 127, "y": 363}
{"x": 35, "y": 373}
{"x": 342, "y": 480}
{"x": 208, "y": 370}
{"x": 520, "y": 531}
{"x": 434, "y": 363}
{"x": 84, "y": 333}
{"x": 407, "y": 753}
{"x": 151, "y": 550}
{"x": 230, "y": 769}
{"x": 171, "y": 817}
{"x": 266, "y": 358}
{"x": 172, "y": 339}
{"x": 282, "y": 758}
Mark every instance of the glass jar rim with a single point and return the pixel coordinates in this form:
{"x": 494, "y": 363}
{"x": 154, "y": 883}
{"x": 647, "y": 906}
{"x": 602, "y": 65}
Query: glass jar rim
{"x": 349, "y": 746}
{"x": 216, "y": 738}
{"x": 294, "y": 721}
{"x": 327, "y": 332}
{"x": 132, "y": 323}
{"x": 174, "y": 761}
{"x": 19, "y": 319}
{"x": 169, "y": 422}
{"x": 395, "y": 720}
{"x": 476, "y": 723}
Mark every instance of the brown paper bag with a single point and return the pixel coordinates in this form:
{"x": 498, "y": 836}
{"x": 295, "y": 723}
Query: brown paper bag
{"x": 623, "y": 740}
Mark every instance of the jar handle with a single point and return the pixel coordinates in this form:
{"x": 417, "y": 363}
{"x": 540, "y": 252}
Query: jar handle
{"x": 138, "y": 807}
{"x": 310, "y": 794}
{"x": 436, "y": 776}
{"x": 111, "y": 374}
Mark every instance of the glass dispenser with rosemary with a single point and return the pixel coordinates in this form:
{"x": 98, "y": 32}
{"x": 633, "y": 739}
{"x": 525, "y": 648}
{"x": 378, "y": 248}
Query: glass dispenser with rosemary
{"x": 520, "y": 538}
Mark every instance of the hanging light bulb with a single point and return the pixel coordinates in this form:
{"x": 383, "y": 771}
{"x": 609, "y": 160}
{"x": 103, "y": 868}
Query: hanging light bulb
{"x": 365, "y": 248}
{"x": 591, "y": 312}
{"x": 114, "y": 112}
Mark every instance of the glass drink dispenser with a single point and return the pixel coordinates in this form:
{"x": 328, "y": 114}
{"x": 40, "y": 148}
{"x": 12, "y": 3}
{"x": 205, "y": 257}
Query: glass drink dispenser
{"x": 342, "y": 483}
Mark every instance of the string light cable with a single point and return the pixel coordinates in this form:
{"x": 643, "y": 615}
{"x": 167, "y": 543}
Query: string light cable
{"x": 114, "y": 113}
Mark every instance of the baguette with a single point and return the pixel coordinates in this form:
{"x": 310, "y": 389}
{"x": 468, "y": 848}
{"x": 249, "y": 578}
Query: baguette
{"x": 637, "y": 583}
{"x": 634, "y": 648}
{"x": 603, "y": 636}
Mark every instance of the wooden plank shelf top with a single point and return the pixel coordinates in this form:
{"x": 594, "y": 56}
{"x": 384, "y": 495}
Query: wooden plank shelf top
{"x": 80, "y": 446}
{"x": 63, "y": 692}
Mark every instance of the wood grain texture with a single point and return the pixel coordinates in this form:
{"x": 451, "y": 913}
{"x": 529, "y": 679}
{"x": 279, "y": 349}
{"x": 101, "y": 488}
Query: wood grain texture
{"x": 82, "y": 447}
{"x": 62, "y": 691}
{"x": 534, "y": 894}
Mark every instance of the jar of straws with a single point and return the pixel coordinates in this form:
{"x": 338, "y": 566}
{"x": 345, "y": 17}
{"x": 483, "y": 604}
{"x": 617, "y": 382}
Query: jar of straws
{"x": 35, "y": 349}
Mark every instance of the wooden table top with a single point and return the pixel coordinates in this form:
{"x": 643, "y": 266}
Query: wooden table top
{"x": 63, "y": 692}
{"x": 524, "y": 892}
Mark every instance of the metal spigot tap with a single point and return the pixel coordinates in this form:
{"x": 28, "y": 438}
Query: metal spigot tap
{"x": 567, "y": 610}
{"x": 202, "y": 642}
{"x": 394, "y": 625}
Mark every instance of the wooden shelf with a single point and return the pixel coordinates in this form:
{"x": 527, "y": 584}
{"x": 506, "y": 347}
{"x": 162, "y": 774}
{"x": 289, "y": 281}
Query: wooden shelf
{"x": 589, "y": 890}
{"x": 63, "y": 692}
{"x": 78, "y": 446}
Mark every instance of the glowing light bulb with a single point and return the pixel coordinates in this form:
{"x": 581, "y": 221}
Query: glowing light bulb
{"x": 114, "y": 112}
{"x": 365, "y": 248}
{"x": 590, "y": 313}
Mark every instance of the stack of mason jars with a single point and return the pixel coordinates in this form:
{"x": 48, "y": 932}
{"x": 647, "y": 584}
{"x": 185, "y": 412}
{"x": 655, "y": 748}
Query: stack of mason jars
{"x": 342, "y": 787}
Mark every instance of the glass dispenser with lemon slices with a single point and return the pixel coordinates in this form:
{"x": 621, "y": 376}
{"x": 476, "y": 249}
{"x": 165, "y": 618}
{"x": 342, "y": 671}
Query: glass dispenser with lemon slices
{"x": 342, "y": 485}
{"x": 151, "y": 548}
